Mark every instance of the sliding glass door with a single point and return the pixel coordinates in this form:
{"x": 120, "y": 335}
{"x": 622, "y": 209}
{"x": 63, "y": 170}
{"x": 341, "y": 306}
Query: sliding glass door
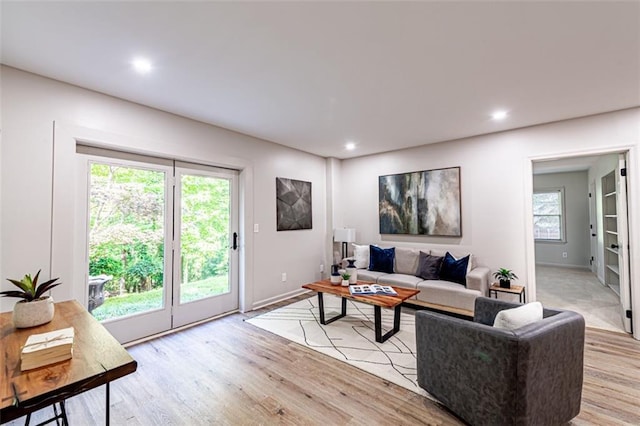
{"x": 205, "y": 259}
{"x": 160, "y": 242}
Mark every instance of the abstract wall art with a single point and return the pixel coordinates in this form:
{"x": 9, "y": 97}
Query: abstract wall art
{"x": 421, "y": 203}
{"x": 293, "y": 198}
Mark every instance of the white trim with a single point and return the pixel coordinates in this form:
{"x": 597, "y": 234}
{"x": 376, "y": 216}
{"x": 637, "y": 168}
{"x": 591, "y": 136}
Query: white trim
{"x": 633, "y": 182}
{"x": 275, "y": 299}
{"x": 67, "y": 136}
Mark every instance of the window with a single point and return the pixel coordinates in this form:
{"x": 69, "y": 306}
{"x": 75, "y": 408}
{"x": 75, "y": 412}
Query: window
{"x": 548, "y": 215}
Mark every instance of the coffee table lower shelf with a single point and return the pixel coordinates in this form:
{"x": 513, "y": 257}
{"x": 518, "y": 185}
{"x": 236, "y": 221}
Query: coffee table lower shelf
{"x": 378, "y": 302}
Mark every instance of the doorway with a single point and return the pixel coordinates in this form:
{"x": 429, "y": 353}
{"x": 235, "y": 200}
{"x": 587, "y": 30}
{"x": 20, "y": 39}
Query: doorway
{"x": 573, "y": 271}
{"x": 161, "y": 242}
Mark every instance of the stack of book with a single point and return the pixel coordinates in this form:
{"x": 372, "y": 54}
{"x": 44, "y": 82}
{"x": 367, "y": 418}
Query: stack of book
{"x": 47, "y": 348}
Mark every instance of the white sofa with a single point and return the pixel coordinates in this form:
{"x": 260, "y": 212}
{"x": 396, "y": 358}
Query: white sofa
{"x": 436, "y": 294}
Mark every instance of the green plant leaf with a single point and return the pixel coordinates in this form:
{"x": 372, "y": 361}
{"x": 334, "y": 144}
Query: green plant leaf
{"x": 46, "y": 286}
{"x": 15, "y": 293}
{"x": 22, "y": 285}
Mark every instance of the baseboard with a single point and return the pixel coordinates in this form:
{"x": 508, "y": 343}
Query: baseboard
{"x": 270, "y": 301}
{"x": 564, "y": 265}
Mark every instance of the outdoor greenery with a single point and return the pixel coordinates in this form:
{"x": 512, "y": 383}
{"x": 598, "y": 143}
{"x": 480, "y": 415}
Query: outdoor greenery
{"x": 127, "y": 230}
{"x": 132, "y": 303}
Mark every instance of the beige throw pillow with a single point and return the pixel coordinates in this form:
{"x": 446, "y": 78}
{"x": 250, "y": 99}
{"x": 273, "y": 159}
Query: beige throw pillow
{"x": 511, "y": 319}
{"x": 361, "y": 255}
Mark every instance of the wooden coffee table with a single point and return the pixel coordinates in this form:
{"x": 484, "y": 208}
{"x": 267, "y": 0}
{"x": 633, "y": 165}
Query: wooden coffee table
{"x": 377, "y": 301}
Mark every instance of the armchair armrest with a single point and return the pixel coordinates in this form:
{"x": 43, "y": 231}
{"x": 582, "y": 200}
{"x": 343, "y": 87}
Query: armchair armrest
{"x": 468, "y": 366}
{"x": 478, "y": 279}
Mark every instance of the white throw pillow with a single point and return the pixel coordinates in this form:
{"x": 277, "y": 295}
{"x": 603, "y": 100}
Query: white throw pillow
{"x": 361, "y": 254}
{"x": 511, "y": 319}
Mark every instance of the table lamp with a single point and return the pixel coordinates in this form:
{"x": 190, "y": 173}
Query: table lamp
{"x": 344, "y": 236}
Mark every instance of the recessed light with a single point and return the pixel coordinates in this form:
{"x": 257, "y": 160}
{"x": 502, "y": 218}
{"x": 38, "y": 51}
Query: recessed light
{"x": 499, "y": 115}
{"x": 350, "y": 146}
{"x": 141, "y": 65}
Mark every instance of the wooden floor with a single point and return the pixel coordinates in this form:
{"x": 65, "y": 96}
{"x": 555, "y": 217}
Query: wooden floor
{"x": 228, "y": 372}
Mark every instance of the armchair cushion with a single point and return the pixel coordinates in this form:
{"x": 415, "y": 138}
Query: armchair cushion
{"x": 518, "y": 317}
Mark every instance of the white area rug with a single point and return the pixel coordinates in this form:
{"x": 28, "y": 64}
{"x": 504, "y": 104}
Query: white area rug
{"x": 350, "y": 339}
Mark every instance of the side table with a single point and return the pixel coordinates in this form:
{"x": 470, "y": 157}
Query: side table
{"x": 514, "y": 289}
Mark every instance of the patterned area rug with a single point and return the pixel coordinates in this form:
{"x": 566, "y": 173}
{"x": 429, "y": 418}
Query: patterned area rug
{"x": 350, "y": 339}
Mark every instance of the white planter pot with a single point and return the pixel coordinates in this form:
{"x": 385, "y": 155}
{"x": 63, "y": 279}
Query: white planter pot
{"x": 31, "y": 314}
{"x": 345, "y": 283}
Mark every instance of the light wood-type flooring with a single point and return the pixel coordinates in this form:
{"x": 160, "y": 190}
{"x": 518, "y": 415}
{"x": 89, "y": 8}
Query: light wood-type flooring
{"x": 227, "y": 372}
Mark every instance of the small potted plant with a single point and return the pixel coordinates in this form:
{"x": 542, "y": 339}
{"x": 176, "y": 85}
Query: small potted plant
{"x": 35, "y": 308}
{"x": 345, "y": 279}
{"x": 505, "y": 276}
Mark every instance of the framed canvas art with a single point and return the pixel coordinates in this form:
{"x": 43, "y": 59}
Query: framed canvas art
{"x": 421, "y": 203}
{"x": 293, "y": 204}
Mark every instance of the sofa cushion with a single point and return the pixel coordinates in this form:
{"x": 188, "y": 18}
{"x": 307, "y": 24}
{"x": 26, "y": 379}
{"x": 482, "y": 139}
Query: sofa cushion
{"x": 400, "y": 280}
{"x": 429, "y": 266}
{"x": 448, "y": 294}
{"x": 361, "y": 255}
{"x": 406, "y": 260}
{"x": 453, "y": 269}
{"x": 366, "y": 275}
{"x": 518, "y": 317}
{"x": 381, "y": 260}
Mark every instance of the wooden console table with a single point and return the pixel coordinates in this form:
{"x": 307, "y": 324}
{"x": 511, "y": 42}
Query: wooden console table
{"x": 97, "y": 360}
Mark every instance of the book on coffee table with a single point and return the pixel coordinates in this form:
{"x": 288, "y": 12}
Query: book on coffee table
{"x": 368, "y": 289}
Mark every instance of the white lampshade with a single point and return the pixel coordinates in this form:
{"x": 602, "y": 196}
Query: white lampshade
{"x": 345, "y": 235}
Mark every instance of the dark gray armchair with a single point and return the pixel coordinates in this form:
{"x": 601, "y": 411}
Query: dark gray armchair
{"x": 489, "y": 376}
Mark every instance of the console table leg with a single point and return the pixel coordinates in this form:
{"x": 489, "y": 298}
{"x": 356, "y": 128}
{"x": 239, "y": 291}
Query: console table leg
{"x": 108, "y": 405}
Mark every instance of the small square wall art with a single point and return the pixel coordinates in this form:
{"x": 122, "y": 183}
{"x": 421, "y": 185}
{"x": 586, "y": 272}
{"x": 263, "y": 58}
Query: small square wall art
{"x": 293, "y": 198}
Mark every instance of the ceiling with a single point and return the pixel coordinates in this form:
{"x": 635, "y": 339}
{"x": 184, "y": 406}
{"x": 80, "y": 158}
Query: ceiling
{"x": 314, "y": 75}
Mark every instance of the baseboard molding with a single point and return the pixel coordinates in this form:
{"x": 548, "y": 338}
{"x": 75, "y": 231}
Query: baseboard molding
{"x": 564, "y": 265}
{"x": 270, "y": 301}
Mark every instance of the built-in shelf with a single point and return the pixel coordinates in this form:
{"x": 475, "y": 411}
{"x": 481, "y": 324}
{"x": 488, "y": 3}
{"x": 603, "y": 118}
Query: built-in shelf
{"x": 614, "y": 268}
{"x": 610, "y": 214}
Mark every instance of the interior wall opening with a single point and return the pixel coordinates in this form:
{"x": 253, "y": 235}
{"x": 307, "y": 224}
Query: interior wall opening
{"x": 577, "y": 210}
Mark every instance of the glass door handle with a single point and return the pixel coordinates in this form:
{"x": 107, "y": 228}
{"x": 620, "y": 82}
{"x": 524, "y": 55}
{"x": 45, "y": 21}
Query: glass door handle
{"x": 235, "y": 241}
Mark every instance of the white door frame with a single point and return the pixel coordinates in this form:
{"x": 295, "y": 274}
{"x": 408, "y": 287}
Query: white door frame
{"x": 593, "y": 228}
{"x": 186, "y": 313}
{"x": 150, "y": 322}
{"x": 66, "y": 248}
{"x": 633, "y": 206}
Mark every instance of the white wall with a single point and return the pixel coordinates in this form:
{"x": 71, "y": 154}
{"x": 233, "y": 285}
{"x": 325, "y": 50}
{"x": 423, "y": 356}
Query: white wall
{"x": 30, "y": 105}
{"x": 496, "y": 173}
{"x": 576, "y": 220}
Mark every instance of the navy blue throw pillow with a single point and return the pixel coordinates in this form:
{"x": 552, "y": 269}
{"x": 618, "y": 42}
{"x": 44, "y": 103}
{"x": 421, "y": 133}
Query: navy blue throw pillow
{"x": 381, "y": 260}
{"x": 454, "y": 270}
